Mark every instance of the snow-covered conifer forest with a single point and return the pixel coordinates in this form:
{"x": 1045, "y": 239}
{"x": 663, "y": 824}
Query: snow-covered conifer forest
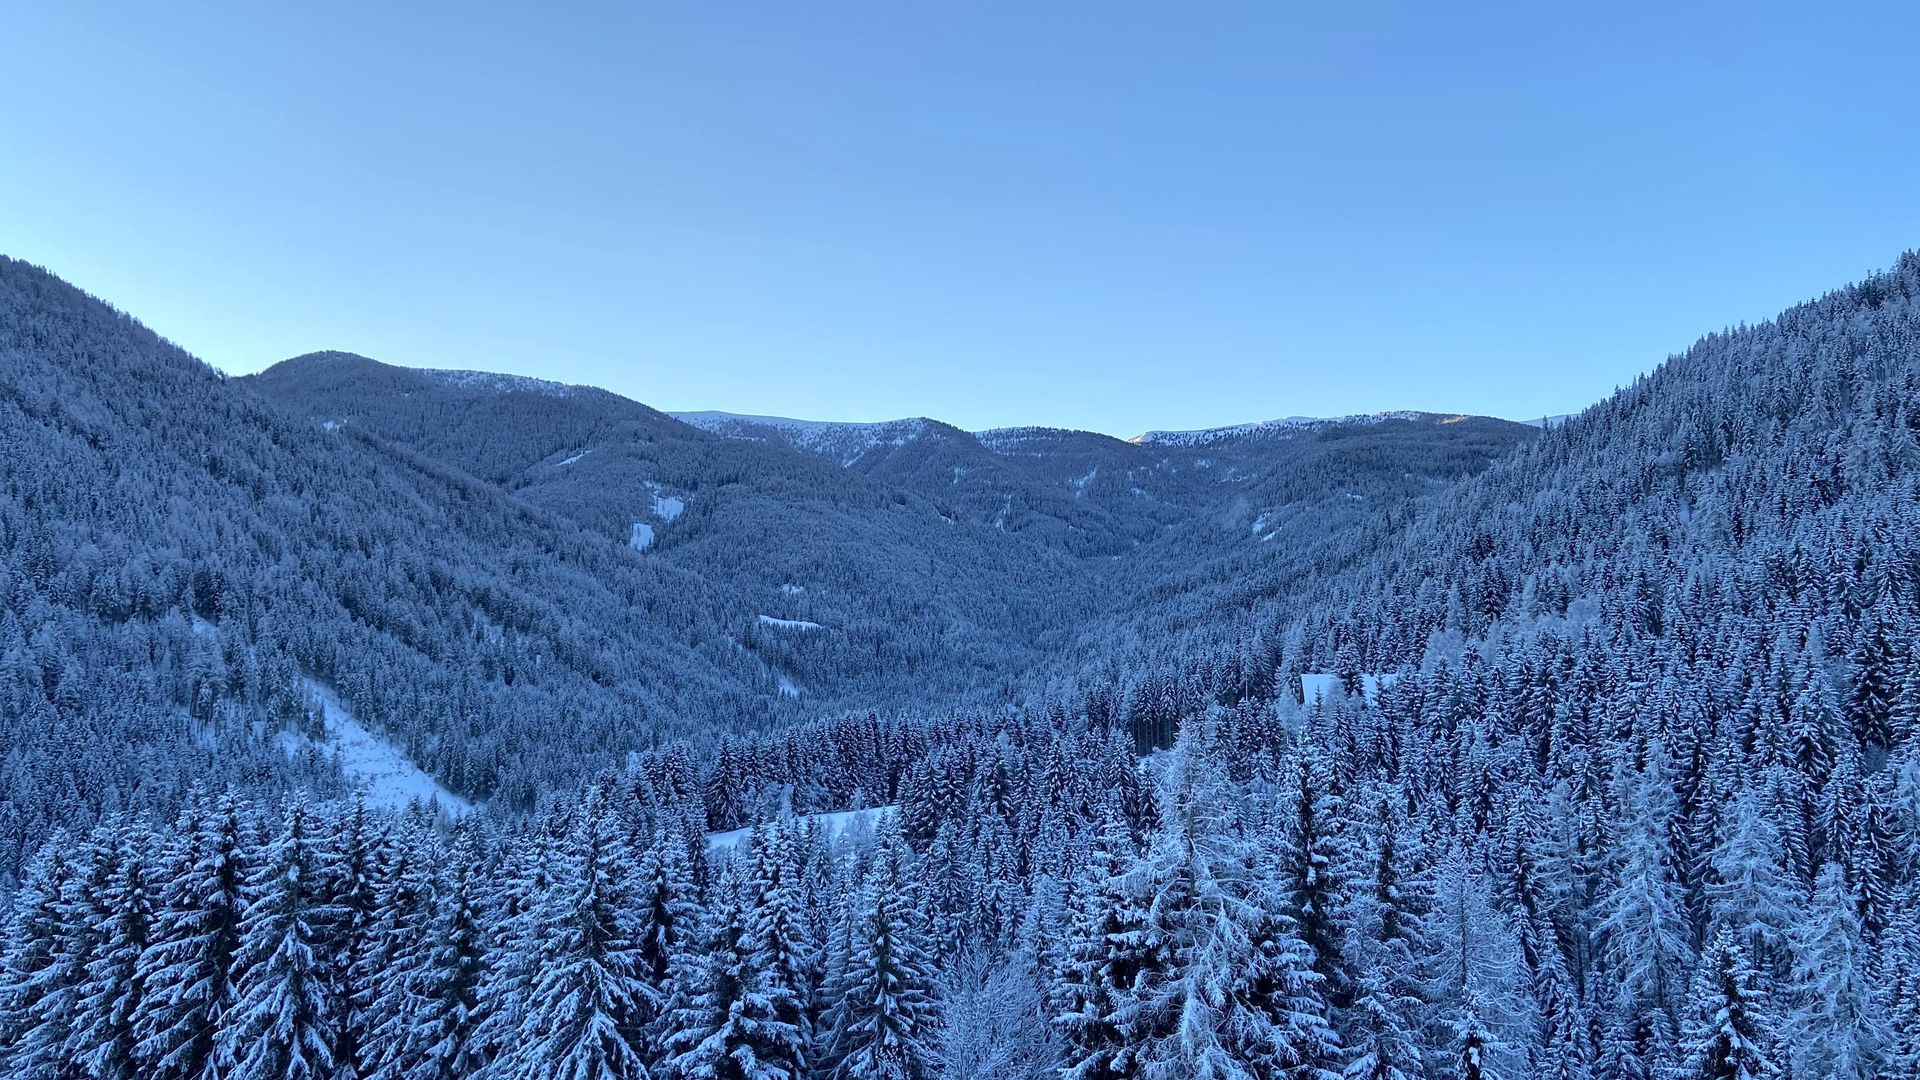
{"x": 364, "y": 723}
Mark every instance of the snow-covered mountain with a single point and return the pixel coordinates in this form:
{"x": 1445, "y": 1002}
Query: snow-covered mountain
{"x": 845, "y": 443}
{"x": 1287, "y": 427}
{"x": 1390, "y": 746}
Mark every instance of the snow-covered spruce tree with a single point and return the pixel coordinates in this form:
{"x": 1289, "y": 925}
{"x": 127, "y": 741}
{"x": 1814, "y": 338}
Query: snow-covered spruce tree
{"x": 1385, "y": 937}
{"x": 582, "y": 1017}
{"x": 361, "y": 902}
{"x": 1750, "y": 892}
{"x": 1874, "y": 671}
{"x": 1106, "y": 951}
{"x": 1836, "y": 1027}
{"x": 395, "y": 931}
{"x": 668, "y": 919}
{"x": 51, "y": 1045}
{"x": 886, "y": 1018}
{"x": 1729, "y": 1031}
{"x": 1898, "y": 976}
{"x": 1644, "y": 929}
{"x": 1231, "y": 993}
{"x": 1853, "y": 819}
{"x": 191, "y": 949}
{"x": 282, "y": 1023}
{"x": 103, "y": 1042}
{"x": 514, "y": 909}
{"x": 37, "y": 964}
{"x": 426, "y": 1003}
{"x": 721, "y": 1026}
{"x": 776, "y": 943}
{"x": 1315, "y": 853}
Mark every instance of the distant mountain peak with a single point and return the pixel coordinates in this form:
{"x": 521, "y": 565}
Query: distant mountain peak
{"x": 497, "y": 383}
{"x": 842, "y": 441}
{"x": 1284, "y": 426}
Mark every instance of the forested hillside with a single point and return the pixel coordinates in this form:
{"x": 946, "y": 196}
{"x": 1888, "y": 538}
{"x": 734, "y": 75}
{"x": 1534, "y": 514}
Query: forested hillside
{"x": 1641, "y": 801}
{"x": 511, "y": 584}
{"x": 179, "y": 565}
{"x": 939, "y": 565}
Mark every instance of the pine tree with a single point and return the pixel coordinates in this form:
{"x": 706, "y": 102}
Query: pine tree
{"x": 882, "y": 1031}
{"x": 282, "y": 1023}
{"x": 1837, "y": 1028}
{"x": 188, "y": 963}
{"x": 37, "y": 965}
{"x": 582, "y": 1018}
{"x": 1103, "y": 958}
{"x": 103, "y": 1039}
{"x": 1728, "y": 1034}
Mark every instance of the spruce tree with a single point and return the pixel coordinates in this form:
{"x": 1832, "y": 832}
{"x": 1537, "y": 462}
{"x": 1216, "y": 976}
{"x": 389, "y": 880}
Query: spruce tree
{"x": 188, "y": 964}
{"x": 1729, "y": 1032}
{"x": 883, "y": 1029}
{"x": 37, "y": 964}
{"x": 1103, "y": 959}
{"x": 282, "y": 1024}
{"x": 103, "y": 1040}
{"x": 1836, "y": 1028}
{"x": 584, "y": 1007}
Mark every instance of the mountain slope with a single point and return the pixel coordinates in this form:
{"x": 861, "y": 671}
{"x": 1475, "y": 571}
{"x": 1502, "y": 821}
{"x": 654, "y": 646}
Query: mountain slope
{"x": 915, "y": 604}
{"x": 964, "y": 562}
{"x": 176, "y": 560}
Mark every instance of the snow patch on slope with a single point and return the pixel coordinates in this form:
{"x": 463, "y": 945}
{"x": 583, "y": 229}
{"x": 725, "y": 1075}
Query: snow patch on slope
{"x": 379, "y": 768}
{"x": 1325, "y": 686}
{"x": 790, "y": 624}
{"x": 642, "y": 536}
{"x": 838, "y": 825}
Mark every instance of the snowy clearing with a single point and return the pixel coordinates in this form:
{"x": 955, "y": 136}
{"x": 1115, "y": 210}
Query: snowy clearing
{"x": 1326, "y": 685}
{"x": 576, "y": 457}
{"x": 790, "y": 624}
{"x": 838, "y": 824}
{"x": 666, "y": 507}
{"x": 390, "y": 779}
{"x": 642, "y": 536}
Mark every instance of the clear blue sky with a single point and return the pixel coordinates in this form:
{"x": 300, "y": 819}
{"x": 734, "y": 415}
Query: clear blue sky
{"x": 1100, "y": 215}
